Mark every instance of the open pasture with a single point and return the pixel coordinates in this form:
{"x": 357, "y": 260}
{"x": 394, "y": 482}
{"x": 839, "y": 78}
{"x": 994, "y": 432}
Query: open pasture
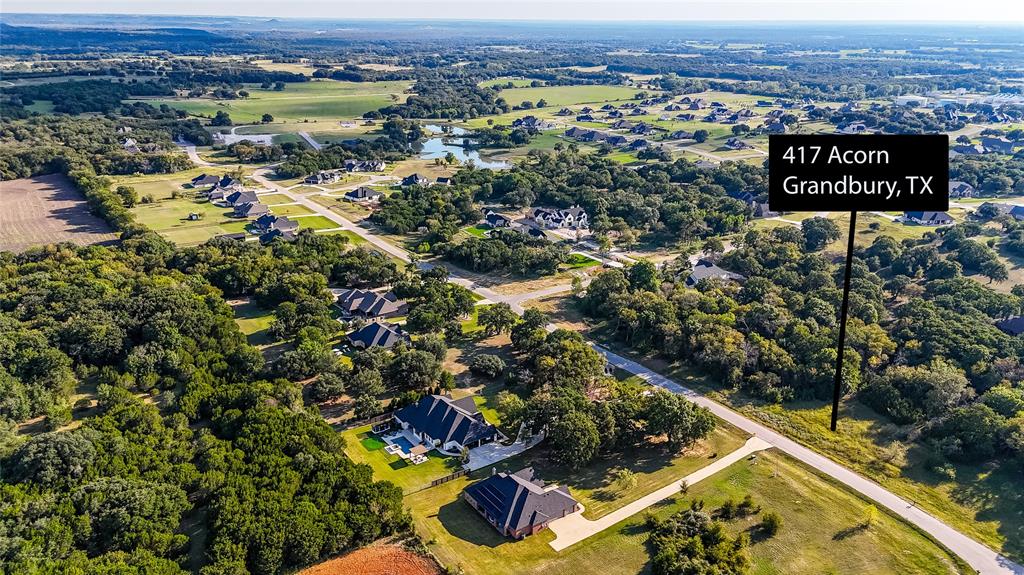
{"x": 321, "y": 99}
{"x": 45, "y": 210}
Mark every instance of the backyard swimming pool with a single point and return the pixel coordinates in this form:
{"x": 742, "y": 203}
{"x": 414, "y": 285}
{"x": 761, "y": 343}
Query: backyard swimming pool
{"x": 403, "y": 443}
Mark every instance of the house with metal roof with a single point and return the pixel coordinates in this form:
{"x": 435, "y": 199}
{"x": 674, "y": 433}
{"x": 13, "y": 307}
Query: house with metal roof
{"x": 448, "y": 424}
{"x": 519, "y": 504}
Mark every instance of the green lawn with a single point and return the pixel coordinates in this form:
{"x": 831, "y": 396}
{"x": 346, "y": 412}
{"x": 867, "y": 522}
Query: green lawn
{"x": 316, "y": 222}
{"x": 580, "y": 261}
{"x": 819, "y": 532}
{"x": 568, "y": 95}
{"x": 253, "y": 322}
{"x": 274, "y": 199}
{"x": 321, "y": 99}
{"x": 479, "y": 230}
{"x": 169, "y": 219}
{"x": 363, "y": 446}
{"x": 293, "y": 210}
{"x": 985, "y": 503}
{"x": 504, "y": 80}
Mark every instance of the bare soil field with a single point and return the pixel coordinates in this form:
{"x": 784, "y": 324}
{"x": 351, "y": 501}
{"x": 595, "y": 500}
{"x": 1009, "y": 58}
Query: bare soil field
{"x": 376, "y": 560}
{"x": 45, "y": 210}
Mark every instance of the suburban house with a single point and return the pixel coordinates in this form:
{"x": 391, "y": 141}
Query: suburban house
{"x": 928, "y": 218}
{"x": 574, "y": 217}
{"x": 1013, "y": 326}
{"x": 853, "y": 128}
{"x": 622, "y": 125}
{"x": 681, "y": 135}
{"x": 363, "y": 194}
{"x": 365, "y": 165}
{"x": 241, "y": 197}
{"x": 519, "y": 504}
{"x": 496, "y": 220}
{"x": 564, "y": 112}
{"x": 736, "y": 144}
{"x": 131, "y": 146}
{"x": 775, "y": 128}
{"x": 323, "y": 177}
{"x": 584, "y": 118}
{"x": 448, "y": 424}
{"x": 251, "y": 210}
{"x": 1017, "y": 212}
{"x": 287, "y": 236}
{"x": 442, "y": 181}
{"x": 707, "y": 269}
{"x": 415, "y": 180}
{"x": 377, "y": 334}
{"x": 204, "y": 180}
{"x": 268, "y": 222}
{"x": 639, "y": 144}
{"x": 997, "y": 145}
{"x": 958, "y": 189}
{"x": 686, "y": 117}
{"x": 616, "y": 140}
{"x": 370, "y": 305}
{"x": 532, "y": 123}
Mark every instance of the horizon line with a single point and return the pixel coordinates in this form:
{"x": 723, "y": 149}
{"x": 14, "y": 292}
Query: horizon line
{"x": 956, "y": 23}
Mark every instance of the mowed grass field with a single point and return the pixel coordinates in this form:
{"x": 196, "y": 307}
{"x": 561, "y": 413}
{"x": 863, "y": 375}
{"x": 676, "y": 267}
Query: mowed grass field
{"x": 45, "y": 210}
{"x": 820, "y": 532}
{"x": 983, "y": 502}
{"x": 315, "y": 100}
{"x": 568, "y": 95}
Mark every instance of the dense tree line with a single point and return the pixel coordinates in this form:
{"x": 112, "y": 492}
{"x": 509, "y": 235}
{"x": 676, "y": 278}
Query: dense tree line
{"x": 506, "y": 250}
{"x": 774, "y": 333}
{"x": 217, "y": 444}
{"x": 395, "y": 143}
{"x": 448, "y": 98}
{"x": 563, "y": 390}
{"x": 85, "y": 96}
{"x": 989, "y": 175}
{"x": 46, "y": 144}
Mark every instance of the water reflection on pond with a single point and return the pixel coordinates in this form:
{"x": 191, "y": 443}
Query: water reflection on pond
{"x": 438, "y": 147}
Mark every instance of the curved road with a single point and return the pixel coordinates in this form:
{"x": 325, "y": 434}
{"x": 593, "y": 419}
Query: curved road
{"x": 977, "y": 555}
{"x": 980, "y": 557}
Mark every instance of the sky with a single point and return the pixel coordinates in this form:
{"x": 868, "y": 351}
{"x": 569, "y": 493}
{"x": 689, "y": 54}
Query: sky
{"x": 993, "y": 11}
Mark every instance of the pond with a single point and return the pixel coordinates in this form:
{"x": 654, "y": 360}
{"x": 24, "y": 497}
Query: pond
{"x": 438, "y": 147}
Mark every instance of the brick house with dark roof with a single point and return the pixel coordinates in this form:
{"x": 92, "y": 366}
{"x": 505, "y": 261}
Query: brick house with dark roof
{"x": 519, "y": 504}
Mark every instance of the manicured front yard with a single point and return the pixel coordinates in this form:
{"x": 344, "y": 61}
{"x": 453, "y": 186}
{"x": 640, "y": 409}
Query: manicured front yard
{"x": 819, "y": 533}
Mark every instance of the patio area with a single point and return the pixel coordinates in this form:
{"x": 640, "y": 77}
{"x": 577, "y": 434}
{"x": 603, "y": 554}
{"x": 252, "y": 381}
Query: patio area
{"x": 406, "y": 445}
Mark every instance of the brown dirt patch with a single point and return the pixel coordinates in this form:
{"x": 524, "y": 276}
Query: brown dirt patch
{"x": 376, "y": 560}
{"x": 45, "y": 210}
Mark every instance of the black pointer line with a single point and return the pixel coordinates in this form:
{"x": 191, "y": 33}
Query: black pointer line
{"x": 842, "y": 323}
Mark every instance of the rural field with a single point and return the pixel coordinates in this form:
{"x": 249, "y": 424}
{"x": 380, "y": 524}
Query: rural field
{"x": 320, "y": 99}
{"x": 823, "y": 530}
{"x": 568, "y": 95}
{"x": 45, "y": 210}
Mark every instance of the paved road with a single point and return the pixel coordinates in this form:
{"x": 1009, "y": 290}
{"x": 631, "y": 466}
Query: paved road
{"x": 309, "y": 139}
{"x": 574, "y": 528}
{"x": 192, "y": 154}
{"x": 978, "y": 556}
